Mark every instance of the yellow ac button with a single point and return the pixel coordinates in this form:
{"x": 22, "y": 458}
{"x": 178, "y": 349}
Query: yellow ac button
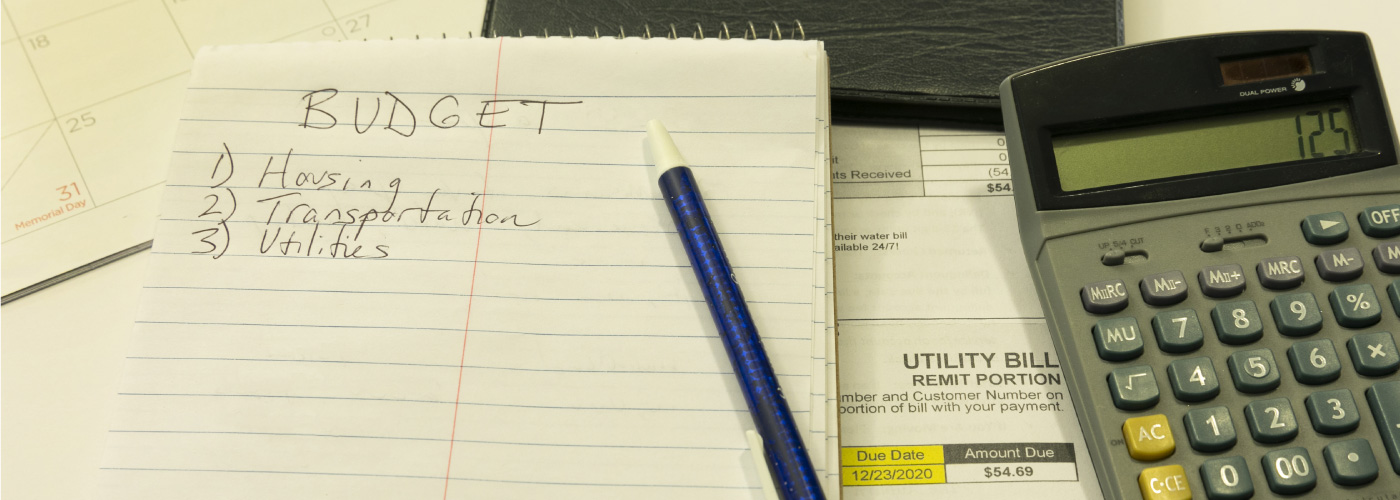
{"x": 1164, "y": 483}
{"x": 1149, "y": 438}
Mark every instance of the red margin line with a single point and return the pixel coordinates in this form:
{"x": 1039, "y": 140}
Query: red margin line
{"x": 461, "y": 366}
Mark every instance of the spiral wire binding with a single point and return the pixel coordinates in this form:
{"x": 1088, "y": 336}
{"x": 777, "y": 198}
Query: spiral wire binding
{"x": 751, "y": 32}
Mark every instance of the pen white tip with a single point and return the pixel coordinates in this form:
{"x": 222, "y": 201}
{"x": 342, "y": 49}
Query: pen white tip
{"x": 663, "y": 150}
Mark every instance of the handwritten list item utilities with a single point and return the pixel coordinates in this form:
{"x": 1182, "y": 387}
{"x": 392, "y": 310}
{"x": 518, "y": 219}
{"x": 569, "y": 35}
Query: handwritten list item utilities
{"x": 428, "y": 269}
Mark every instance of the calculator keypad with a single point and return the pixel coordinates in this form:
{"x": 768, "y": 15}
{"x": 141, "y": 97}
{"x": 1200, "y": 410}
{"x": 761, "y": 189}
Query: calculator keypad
{"x": 1314, "y": 365}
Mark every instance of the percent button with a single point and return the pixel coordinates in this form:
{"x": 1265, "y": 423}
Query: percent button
{"x": 1355, "y": 305}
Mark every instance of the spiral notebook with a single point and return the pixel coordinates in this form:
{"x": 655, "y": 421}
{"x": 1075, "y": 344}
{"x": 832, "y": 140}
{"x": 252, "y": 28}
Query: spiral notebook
{"x": 439, "y": 269}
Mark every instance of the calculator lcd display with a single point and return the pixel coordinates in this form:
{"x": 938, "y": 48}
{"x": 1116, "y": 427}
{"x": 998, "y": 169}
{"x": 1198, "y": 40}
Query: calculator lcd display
{"x": 1160, "y": 151}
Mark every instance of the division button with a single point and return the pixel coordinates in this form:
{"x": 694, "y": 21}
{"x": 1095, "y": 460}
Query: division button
{"x": 1164, "y": 289}
{"x": 1387, "y": 257}
{"x": 1149, "y": 438}
{"x": 1227, "y": 479}
{"x": 1193, "y": 379}
{"x": 1210, "y": 429}
{"x": 1314, "y": 362}
{"x": 1325, "y": 229}
{"x": 1355, "y": 305}
{"x": 1118, "y": 339}
{"x": 1332, "y": 412}
{"x": 1351, "y": 462}
{"x": 1104, "y": 297}
{"x": 1253, "y": 371}
{"x": 1380, "y": 222}
{"x": 1343, "y": 264}
{"x": 1280, "y": 273}
{"x": 1385, "y": 407}
{"x": 1373, "y": 354}
{"x": 1167, "y": 482}
{"x": 1296, "y": 314}
{"x": 1133, "y": 388}
{"x": 1289, "y": 471}
{"x": 1222, "y": 281}
{"x": 1178, "y": 330}
{"x": 1237, "y": 322}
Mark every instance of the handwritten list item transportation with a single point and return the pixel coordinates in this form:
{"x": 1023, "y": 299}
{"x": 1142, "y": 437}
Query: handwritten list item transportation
{"x": 437, "y": 269}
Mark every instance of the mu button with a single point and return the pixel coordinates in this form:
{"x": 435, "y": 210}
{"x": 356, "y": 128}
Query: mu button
{"x": 1149, "y": 438}
{"x": 1164, "y": 483}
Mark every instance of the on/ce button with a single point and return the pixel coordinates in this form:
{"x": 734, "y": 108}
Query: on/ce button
{"x": 1164, "y": 483}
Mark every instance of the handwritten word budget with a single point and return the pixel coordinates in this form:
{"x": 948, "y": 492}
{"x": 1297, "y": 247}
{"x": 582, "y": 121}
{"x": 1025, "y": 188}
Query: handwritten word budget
{"x": 438, "y": 269}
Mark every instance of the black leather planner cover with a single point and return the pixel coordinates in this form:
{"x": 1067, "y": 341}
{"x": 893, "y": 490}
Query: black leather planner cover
{"x": 932, "y": 59}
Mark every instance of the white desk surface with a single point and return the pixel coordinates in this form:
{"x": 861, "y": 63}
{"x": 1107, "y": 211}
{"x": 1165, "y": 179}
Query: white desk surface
{"x": 61, "y": 349}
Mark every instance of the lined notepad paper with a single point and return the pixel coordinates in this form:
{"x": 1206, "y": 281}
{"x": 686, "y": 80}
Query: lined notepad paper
{"x": 439, "y": 269}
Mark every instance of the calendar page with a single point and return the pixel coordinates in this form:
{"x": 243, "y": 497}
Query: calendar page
{"x": 91, "y": 97}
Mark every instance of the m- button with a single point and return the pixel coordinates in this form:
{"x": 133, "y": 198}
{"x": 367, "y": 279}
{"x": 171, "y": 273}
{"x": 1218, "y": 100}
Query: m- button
{"x": 1222, "y": 281}
{"x": 1105, "y": 296}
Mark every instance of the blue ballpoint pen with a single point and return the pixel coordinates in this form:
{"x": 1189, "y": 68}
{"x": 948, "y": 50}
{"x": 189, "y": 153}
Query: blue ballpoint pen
{"x": 787, "y": 459}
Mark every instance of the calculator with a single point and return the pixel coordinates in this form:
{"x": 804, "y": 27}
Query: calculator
{"x": 1213, "y": 226}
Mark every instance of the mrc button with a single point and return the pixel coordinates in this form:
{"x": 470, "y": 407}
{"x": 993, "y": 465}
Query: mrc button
{"x": 1105, "y": 296}
{"x": 1280, "y": 273}
{"x": 1325, "y": 229}
{"x": 1380, "y": 222}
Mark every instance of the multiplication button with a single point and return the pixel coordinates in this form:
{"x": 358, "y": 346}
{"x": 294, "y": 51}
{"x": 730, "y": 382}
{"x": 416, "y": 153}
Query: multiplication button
{"x": 1280, "y": 273}
{"x": 1164, "y": 289}
{"x": 1373, "y": 354}
{"x": 1222, "y": 281}
{"x": 1104, "y": 297}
